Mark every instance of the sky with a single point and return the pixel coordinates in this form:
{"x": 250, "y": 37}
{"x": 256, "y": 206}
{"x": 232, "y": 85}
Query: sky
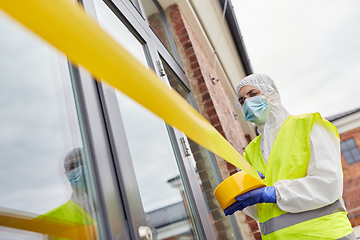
{"x": 311, "y": 49}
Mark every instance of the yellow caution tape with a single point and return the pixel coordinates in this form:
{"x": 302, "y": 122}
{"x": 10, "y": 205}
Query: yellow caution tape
{"x": 49, "y": 226}
{"x": 66, "y": 26}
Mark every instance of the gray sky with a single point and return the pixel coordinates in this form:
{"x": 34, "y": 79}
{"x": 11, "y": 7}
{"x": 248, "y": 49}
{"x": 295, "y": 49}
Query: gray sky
{"x": 309, "y": 48}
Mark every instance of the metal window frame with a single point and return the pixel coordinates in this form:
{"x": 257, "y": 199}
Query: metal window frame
{"x": 96, "y": 138}
{"x": 103, "y": 118}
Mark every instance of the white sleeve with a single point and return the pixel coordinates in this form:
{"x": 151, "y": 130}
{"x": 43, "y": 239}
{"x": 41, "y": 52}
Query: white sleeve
{"x": 252, "y": 211}
{"x": 324, "y": 181}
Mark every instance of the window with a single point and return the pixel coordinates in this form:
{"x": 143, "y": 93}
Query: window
{"x": 207, "y": 174}
{"x": 45, "y": 179}
{"x": 158, "y": 23}
{"x": 350, "y": 151}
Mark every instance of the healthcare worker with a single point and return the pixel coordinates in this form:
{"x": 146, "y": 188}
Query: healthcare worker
{"x": 79, "y": 209}
{"x": 301, "y": 161}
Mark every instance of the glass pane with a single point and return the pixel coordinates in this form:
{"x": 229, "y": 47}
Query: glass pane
{"x": 347, "y": 155}
{"x": 343, "y": 145}
{"x": 355, "y": 154}
{"x": 157, "y": 173}
{"x": 205, "y": 168}
{"x": 158, "y": 24}
{"x": 351, "y": 143}
{"x": 44, "y": 183}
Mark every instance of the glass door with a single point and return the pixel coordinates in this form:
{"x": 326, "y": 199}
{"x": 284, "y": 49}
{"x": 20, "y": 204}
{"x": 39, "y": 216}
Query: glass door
{"x": 151, "y": 177}
{"x": 47, "y": 188}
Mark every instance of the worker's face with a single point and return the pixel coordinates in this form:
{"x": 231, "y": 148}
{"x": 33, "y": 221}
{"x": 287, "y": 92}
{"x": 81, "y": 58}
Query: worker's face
{"x": 75, "y": 162}
{"x": 247, "y": 92}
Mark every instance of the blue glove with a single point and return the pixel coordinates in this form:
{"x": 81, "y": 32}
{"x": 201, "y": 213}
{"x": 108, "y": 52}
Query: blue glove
{"x": 259, "y": 195}
{"x": 261, "y": 175}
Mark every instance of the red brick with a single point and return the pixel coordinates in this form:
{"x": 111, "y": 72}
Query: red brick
{"x": 357, "y": 220}
{"x": 219, "y": 226}
{"x": 181, "y": 32}
{"x": 154, "y": 23}
{"x": 215, "y": 120}
{"x": 257, "y": 236}
{"x": 184, "y": 39}
{"x": 248, "y": 219}
{"x": 231, "y": 167}
{"x": 177, "y": 20}
{"x": 222, "y": 235}
{"x": 206, "y": 97}
{"x": 179, "y": 26}
{"x": 203, "y": 175}
{"x": 219, "y": 128}
{"x": 200, "y": 80}
{"x": 209, "y": 105}
{"x": 197, "y": 73}
{"x": 156, "y": 29}
{"x": 200, "y": 165}
{"x": 192, "y": 59}
{"x": 175, "y": 13}
{"x": 187, "y": 45}
{"x": 198, "y": 156}
{"x": 353, "y": 222}
{"x": 211, "y": 112}
{"x": 207, "y": 185}
{"x": 189, "y": 52}
{"x": 253, "y": 226}
{"x": 233, "y": 171}
{"x": 203, "y": 88}
{"x": 195, "y": 65}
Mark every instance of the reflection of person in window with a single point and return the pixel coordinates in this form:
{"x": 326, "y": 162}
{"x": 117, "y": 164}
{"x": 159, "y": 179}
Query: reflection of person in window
{"x": 79, "y": 208}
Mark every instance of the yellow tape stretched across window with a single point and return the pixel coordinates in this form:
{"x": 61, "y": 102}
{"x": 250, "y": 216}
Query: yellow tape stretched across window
{"x": 66, "y": 26}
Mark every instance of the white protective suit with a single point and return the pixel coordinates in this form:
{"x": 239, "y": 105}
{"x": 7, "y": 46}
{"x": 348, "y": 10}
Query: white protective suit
{"x": 324, "y": 181}
{"x": 79, "y": 196}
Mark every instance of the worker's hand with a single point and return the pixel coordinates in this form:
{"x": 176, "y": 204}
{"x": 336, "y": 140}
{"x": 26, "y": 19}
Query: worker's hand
{"x": 259, "y": 195}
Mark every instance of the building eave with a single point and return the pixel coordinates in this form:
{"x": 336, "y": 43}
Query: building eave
{"x": 236, "y": 34}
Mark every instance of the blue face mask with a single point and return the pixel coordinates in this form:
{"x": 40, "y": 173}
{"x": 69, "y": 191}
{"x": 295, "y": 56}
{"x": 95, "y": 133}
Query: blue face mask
{"x": 76, "y": 177}
{"x": 256, "y": 109}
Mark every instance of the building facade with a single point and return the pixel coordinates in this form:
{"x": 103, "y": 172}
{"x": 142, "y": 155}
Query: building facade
{"x": 348, "y": 125}
{"x": 72, "y": 144}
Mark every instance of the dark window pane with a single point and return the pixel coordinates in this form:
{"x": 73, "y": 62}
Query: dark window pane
{"x": 343, "y": 146}
{"x": 351, "y": 143}
{"x": 347, "y": 155}
{"x": 356, "y": 154}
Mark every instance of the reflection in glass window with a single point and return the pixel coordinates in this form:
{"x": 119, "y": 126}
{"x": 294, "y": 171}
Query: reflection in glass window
{"x": 350, "y": 151}
{"x": 158, "y": 24}
{"x": 156, "y": 169}
{"x": 44, "y": 177}
{"x": 204, "y": 165}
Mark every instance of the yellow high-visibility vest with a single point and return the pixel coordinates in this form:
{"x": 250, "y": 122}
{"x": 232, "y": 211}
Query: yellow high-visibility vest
{"x": 70, "y": 213}
{"x": 289, "y": 159}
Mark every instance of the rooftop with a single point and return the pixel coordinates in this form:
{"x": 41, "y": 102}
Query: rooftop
{"x": 341, "y": 115}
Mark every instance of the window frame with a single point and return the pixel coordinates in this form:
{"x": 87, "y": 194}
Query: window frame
{"x": 111, "y": 123}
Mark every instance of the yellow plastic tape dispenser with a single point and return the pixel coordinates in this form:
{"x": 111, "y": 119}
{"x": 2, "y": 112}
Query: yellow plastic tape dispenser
{"x": 235, "y": 185}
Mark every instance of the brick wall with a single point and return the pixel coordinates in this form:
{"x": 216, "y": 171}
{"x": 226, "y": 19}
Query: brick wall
{"x": 352, "y": 180}
{"x": 214, "y": 104}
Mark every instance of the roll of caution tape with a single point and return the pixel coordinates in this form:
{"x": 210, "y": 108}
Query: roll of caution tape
{"x": 235, "y": 185}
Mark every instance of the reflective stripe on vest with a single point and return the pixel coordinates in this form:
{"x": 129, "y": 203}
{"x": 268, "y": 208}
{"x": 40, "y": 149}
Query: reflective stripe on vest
{"x": 351, "y": 236}
{"x": 289, "y": 219}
